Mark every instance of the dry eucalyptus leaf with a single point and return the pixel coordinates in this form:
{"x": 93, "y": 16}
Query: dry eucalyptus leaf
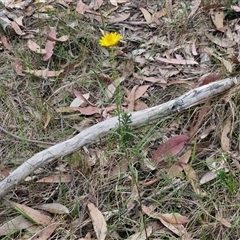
{"x": 45, "y": 233}
{"x": 99, "y": 223}
{"x": 225, "y": 141}
{"x": 56, "y": 208}
{"x": 35, "y": 47}
{"x": 146, "y": 14}
{"x": 17, "y": 223}
{"x": 32, "y": 214}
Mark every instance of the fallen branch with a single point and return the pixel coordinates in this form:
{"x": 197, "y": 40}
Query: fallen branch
{"x": 90, "y": 134}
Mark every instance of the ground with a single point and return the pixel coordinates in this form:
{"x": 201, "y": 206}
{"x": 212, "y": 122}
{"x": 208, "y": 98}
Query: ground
{"x": 175, "y": 178}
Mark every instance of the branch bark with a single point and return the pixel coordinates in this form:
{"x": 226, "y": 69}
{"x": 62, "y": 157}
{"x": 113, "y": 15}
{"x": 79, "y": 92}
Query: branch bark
{"x": 90, "y": 134}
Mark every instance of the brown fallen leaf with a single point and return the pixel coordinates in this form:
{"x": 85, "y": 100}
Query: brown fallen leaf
{"x": 110, "y": 90}
{"x": 5, "y": 43}
{"x": 83, "y": 98}
{"x": 88, "y": 110}
{"x": 192, "y": 177}
{"x": 207, "y": 177}
{"x": 223, "y": 221}
{"x": 35, "y": 47}
{"x": 206, "y": 79}
{"x": 44, "y": 73}
{"x": 15, "y": 224}
{"x": 131, "y": 99}
{"x": 150, "y": 79}
{"x": 45, "y": 233}
{"x": 217, "y": 18}
{"x": 225, "y": 141}
{"x": 140, "y": 91}
{"x": 159, "y": 14}
{"x": 49, "y": 45}
{"x": 140, "y": 105}
{"x": 176, "y": 168}
{"x": 16, "y": 28}
{"x": 225, "y": 43}
{"x": 56, "y": 178}
{"x": 146, "y": 14}
{"x": 82, "y": 7}
{"x": 99, "y": 223}
{"x": 55, "y": 208}
{"x": 198, "y": 119}
{"x": 122, "y": 18}
{"x": 31, "y": 214}
{"x": 176, "y": 61}
{"x": 235, "y": 8}
{"x": 175, "y": 218}
{"x": 178, "y": 229}
{"x": 114, "y": 2}
{"x": 18, "y": 67}
{"x": 4, "y": 171}
{"x": 170, "y": 148}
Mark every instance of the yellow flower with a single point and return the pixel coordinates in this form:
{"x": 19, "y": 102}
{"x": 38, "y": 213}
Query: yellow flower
{"x": 110, "y": 39}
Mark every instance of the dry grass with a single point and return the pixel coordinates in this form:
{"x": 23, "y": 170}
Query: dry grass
{"x": 113, "y": 174}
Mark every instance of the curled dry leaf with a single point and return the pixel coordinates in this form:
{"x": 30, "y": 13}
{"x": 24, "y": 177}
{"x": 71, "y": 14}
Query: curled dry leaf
{"x": 83, "y": 97}
{"x": 99, "y": 223}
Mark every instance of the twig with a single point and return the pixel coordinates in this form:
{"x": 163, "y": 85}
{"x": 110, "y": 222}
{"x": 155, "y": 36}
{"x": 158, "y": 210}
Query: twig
{"x": 90, "y": 134}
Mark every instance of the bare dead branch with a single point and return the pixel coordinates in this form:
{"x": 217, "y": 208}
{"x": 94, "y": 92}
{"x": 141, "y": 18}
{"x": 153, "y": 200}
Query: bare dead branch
{"x": 90, "y": 134}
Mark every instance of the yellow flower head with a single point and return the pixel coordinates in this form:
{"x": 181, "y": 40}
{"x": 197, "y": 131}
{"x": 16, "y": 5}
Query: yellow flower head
{"x": 110, "y": 39}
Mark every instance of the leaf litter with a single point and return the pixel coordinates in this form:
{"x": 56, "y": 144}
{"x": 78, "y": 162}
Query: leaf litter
{"x": 63, "y": 81}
